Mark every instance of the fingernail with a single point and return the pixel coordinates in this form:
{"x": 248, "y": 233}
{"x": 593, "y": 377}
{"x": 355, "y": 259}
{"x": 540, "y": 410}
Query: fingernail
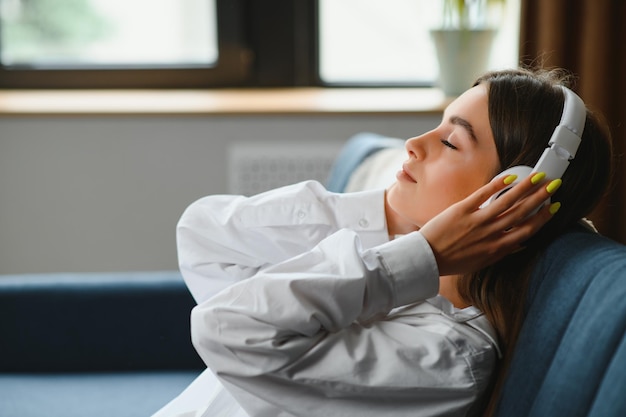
{"x": 554, "y": 207}
{"x": 538, "y": 177}
{"x": 510, "y": 179}
{"x": 554, "y": 185}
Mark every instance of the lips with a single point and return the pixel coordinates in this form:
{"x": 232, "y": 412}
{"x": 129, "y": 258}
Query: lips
{"x": 406, "y": 174}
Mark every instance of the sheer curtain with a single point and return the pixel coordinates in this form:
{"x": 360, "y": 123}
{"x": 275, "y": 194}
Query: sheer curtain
{"x": 587, "y": 37}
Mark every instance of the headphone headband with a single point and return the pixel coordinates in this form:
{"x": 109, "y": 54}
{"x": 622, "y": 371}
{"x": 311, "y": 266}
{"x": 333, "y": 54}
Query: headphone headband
{"x": 574, "y": 112}
{"x": 566, "y": 137}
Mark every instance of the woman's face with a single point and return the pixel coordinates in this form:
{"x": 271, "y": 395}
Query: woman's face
{"x": 448, "y": 163}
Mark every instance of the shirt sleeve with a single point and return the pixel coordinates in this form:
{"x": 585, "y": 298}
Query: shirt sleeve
{"x": 285, "y": 317}
{"x": 224, "y": 239}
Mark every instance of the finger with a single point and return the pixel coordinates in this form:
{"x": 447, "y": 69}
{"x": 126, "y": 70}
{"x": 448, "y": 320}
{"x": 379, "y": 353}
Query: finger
{"x": 521, "y": 202}
{"x": 519, "y": 234}
{"x": 519, "y": 190}
{"x": 533, "y": 200}
{"x": 525, "y": 198}
{"x": 478, "y": 197}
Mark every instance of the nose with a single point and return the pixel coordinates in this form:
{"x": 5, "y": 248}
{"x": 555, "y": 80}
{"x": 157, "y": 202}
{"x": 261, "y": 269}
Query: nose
{"x": 416, "y": 147}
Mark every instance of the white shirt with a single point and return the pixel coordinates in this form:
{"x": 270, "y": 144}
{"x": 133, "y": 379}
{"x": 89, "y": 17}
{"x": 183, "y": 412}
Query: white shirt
{"x": 306, "y": 308}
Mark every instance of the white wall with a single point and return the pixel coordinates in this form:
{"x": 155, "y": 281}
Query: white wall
{"x": 105, "y": 193}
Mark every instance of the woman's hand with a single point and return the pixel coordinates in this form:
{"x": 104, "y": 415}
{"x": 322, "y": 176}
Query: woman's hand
{"x": 466, "y": 238}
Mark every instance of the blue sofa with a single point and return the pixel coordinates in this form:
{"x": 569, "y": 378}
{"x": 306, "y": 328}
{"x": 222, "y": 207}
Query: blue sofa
{"x": 118, "y": 344}
{"x": 94, "y": 344}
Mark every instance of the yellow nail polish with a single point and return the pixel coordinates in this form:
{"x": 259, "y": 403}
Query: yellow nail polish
{"x": 554, "y": 185}
{"x": 538, "y": 177}
{"x": 510, "y": 179}
{"x": 554, "y": 207}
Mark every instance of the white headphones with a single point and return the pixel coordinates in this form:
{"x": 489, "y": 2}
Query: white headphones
{"x": 561, "y": 148}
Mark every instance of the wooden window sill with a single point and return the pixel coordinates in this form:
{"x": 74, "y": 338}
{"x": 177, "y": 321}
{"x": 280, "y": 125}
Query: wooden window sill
{"x": 285, "y": 101}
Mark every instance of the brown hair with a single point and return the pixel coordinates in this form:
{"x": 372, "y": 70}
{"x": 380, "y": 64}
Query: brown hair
{"x": 524, "y": 108}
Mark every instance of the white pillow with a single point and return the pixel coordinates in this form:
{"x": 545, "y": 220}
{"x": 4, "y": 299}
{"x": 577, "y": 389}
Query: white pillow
{"x": 377, "y": 170}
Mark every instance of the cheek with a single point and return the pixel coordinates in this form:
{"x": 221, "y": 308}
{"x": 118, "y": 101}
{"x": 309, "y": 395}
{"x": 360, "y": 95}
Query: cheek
{"x": 420, "y": 203}
{"x": 462, "y": 179}
{"x": 449, "y": 183}
{"x": 444, "y": 183}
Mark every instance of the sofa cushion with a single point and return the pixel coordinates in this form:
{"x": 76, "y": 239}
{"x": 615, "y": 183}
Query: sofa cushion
{"x": 571, "y": 354}
{"x": 121, "y": 394}
{"x": 95, "y": 322}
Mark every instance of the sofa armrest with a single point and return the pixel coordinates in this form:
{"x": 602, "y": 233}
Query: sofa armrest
{"x": 95, "y": 321}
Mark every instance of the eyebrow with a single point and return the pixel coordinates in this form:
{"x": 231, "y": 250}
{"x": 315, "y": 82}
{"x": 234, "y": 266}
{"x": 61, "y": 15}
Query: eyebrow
{"x": 459, "y": 121}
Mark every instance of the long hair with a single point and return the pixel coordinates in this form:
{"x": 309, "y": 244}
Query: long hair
{"x": 524, "y": 108}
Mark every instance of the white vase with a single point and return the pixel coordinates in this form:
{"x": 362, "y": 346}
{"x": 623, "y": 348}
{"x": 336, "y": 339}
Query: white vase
{"x": 463, "y": 55}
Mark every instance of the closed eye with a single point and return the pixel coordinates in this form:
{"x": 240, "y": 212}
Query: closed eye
{"x": 448, "y": 144}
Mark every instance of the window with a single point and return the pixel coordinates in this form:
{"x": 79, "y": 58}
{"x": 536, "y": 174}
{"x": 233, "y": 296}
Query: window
{"x": 114, "y": 43}
{"x": 376, "y": 42}
{"x": 225, "y": 43}
{"x": 108, "y": 33}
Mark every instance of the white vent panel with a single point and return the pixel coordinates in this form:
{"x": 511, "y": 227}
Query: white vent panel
{"x": 258, "y": 167}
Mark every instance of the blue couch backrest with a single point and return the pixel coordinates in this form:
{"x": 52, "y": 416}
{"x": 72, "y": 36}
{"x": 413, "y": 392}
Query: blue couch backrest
{"x": 570, "y": 359}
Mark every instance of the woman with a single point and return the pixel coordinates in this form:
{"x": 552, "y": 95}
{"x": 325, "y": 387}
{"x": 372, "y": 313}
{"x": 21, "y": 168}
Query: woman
{"x": 389, "y": 302}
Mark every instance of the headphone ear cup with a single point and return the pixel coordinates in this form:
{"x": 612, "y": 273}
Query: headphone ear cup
{"x": 522, "y": 171}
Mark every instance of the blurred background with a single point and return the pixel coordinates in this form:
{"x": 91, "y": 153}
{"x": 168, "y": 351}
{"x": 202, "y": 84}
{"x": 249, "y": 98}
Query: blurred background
{"x": 99, "y": 184}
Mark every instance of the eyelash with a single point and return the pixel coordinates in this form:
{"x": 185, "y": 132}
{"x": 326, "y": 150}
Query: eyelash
{"x": 448, "y": 144}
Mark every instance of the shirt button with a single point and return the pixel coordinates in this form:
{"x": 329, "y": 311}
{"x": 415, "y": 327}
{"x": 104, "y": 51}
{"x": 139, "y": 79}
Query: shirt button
{"x": 301, "y": 214}
{"x": 364, "y": 223}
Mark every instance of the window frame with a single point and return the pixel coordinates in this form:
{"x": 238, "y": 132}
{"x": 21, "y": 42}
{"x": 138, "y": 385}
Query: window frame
{"x": 234, "y": 65}
{"x": 282, "y": 35}
{"x": 269, "y": 43}
{"x": 284, "y": 38}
